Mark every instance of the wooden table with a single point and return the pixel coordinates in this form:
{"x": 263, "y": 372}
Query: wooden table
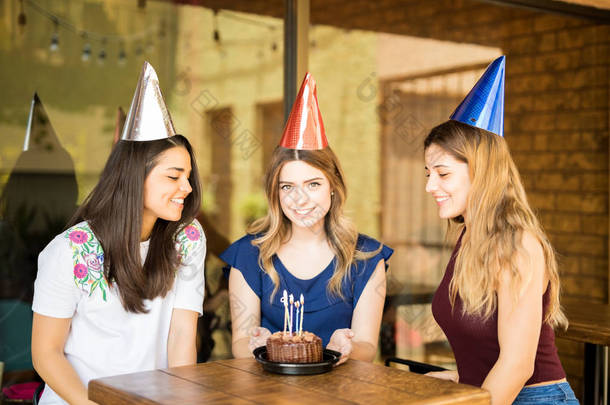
{"x": 243, "y": 381}
{"x": 590, "y": 323}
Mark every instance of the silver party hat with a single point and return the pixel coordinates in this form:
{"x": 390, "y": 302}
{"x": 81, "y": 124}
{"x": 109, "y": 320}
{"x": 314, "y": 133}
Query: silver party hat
{"x": 148, "y": 118}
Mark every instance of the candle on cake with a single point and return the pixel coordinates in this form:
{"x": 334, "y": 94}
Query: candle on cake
{"x": 296, "y": 346}
{"x": 291, "y": 300}
{"x": 302, "y": 299}
{"x": 297, "y": 304}
{"x": 284, "y": 300}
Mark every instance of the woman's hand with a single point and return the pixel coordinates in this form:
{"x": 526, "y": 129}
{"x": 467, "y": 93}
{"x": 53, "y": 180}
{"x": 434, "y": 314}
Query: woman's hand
{"x": 258, "y": 337}
{"x": 450, "y": 375}
{"x": 341, "y": 341}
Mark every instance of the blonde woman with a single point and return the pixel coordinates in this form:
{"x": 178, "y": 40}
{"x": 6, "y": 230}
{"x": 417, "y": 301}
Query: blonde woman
{"x": 305, "y": 245}
{"x": 499, "y": 299}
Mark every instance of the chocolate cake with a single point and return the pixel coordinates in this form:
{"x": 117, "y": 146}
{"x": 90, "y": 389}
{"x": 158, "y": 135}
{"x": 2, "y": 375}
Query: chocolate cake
{"x": 294, "y": 348}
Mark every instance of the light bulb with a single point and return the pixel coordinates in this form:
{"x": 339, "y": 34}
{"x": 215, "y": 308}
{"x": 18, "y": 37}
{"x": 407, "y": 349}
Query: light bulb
{"x": 101, "y": 57}
{"x": 54, "y": 46}
{"x": 86, "y": 55}
{"x": 122, "y": 57}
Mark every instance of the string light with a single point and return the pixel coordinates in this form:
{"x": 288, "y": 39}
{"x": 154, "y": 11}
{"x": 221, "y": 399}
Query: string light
{"x": 86, "y": 55}
{"x": 21, "y": 18}
{"x": 216, "y": 34}
{"x": 54, "y": 46}
{"x": 143, "y": 40}
{"x": 101, "y": 57}
{"x": 273, "y": 43}
{"x": 162, "y": 29}
{"x": 93, "y": 36}
{"x": 122, "y": 56}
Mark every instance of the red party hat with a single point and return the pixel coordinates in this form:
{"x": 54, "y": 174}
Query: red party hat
{"x": 304, "y": 128}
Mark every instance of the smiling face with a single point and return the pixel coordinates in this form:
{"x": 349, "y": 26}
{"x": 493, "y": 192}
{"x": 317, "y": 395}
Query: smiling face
{"x": 166, "y": 187}
{"x": 448, "y": 182}
{"x": 304, "y": 194}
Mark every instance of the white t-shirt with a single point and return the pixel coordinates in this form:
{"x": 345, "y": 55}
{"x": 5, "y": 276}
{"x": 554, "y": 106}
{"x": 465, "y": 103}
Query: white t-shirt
{"x": 104, "y": 338}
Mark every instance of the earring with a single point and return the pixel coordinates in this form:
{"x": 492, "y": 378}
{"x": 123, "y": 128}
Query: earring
{"x": 332, "y": 193}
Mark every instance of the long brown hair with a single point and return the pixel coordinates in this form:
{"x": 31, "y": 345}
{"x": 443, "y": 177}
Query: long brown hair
{"x": 275, "y": 228}
{"x": 114, "y": 212}
{"x": 498, "y": 216}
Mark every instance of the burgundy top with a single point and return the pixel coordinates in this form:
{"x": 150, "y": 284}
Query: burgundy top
{"x": 475, "y": 342}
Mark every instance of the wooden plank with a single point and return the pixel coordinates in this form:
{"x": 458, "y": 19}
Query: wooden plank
{"x": 155, "y": 387}
{"x": 336, "y": 385}
{"x": 248, "y": 381}
{"x": 431, "y": 390}
{"x": 362, "y": 383}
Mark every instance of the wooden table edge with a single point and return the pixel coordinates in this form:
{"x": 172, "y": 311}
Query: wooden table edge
{"x": 581, "y": 337}
{"x": 106, "y": 394}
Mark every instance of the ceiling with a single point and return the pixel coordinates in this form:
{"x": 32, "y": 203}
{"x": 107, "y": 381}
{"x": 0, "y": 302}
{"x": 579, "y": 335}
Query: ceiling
{"x": 323, "y": 11}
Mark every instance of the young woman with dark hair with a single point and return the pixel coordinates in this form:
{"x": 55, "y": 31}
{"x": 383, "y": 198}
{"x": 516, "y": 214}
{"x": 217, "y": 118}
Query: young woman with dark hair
{"x": 121, "y": 289}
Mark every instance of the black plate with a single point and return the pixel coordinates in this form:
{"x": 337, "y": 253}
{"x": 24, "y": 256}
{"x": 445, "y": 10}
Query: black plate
{"x": 329, "y": 358}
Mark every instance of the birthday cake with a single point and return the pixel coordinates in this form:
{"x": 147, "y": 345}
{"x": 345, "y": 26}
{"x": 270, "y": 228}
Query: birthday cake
{"x": 303, "y": 347}
{"x": 297, "y": 347}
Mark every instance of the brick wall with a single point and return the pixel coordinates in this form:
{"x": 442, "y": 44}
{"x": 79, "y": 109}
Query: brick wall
{"x": 556, "y": 115}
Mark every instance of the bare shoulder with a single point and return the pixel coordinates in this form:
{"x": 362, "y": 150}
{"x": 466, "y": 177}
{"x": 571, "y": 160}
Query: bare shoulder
{"x": 530, "y": 250}
{"x": 531, "y": 263}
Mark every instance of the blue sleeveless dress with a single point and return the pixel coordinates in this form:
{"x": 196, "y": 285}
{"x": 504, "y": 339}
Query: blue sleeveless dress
{"x": 323, "y": 313}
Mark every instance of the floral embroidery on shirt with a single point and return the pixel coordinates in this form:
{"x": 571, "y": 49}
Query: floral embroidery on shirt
{"x": 188, "y": 239}
{"x": 88, "y": 259}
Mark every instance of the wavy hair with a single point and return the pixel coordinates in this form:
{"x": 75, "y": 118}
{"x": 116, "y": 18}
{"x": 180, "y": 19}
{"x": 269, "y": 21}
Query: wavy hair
{"x": 498, "y": 217}
{"x": 114, "y": 212}
{"x": 275, "y": 228}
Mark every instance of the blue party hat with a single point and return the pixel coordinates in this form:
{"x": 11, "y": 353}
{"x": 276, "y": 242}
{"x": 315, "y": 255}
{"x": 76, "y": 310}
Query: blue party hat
{"x": 483, "y": 107}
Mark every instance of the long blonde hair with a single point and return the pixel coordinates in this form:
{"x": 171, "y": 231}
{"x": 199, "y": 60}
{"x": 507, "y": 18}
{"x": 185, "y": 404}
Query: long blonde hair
{"x": 498, "y": 217}
{"x": 275, "y": 228}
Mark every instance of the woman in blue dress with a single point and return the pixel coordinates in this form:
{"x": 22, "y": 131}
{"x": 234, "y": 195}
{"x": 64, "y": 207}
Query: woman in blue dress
{"x": 305, "y": 245}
